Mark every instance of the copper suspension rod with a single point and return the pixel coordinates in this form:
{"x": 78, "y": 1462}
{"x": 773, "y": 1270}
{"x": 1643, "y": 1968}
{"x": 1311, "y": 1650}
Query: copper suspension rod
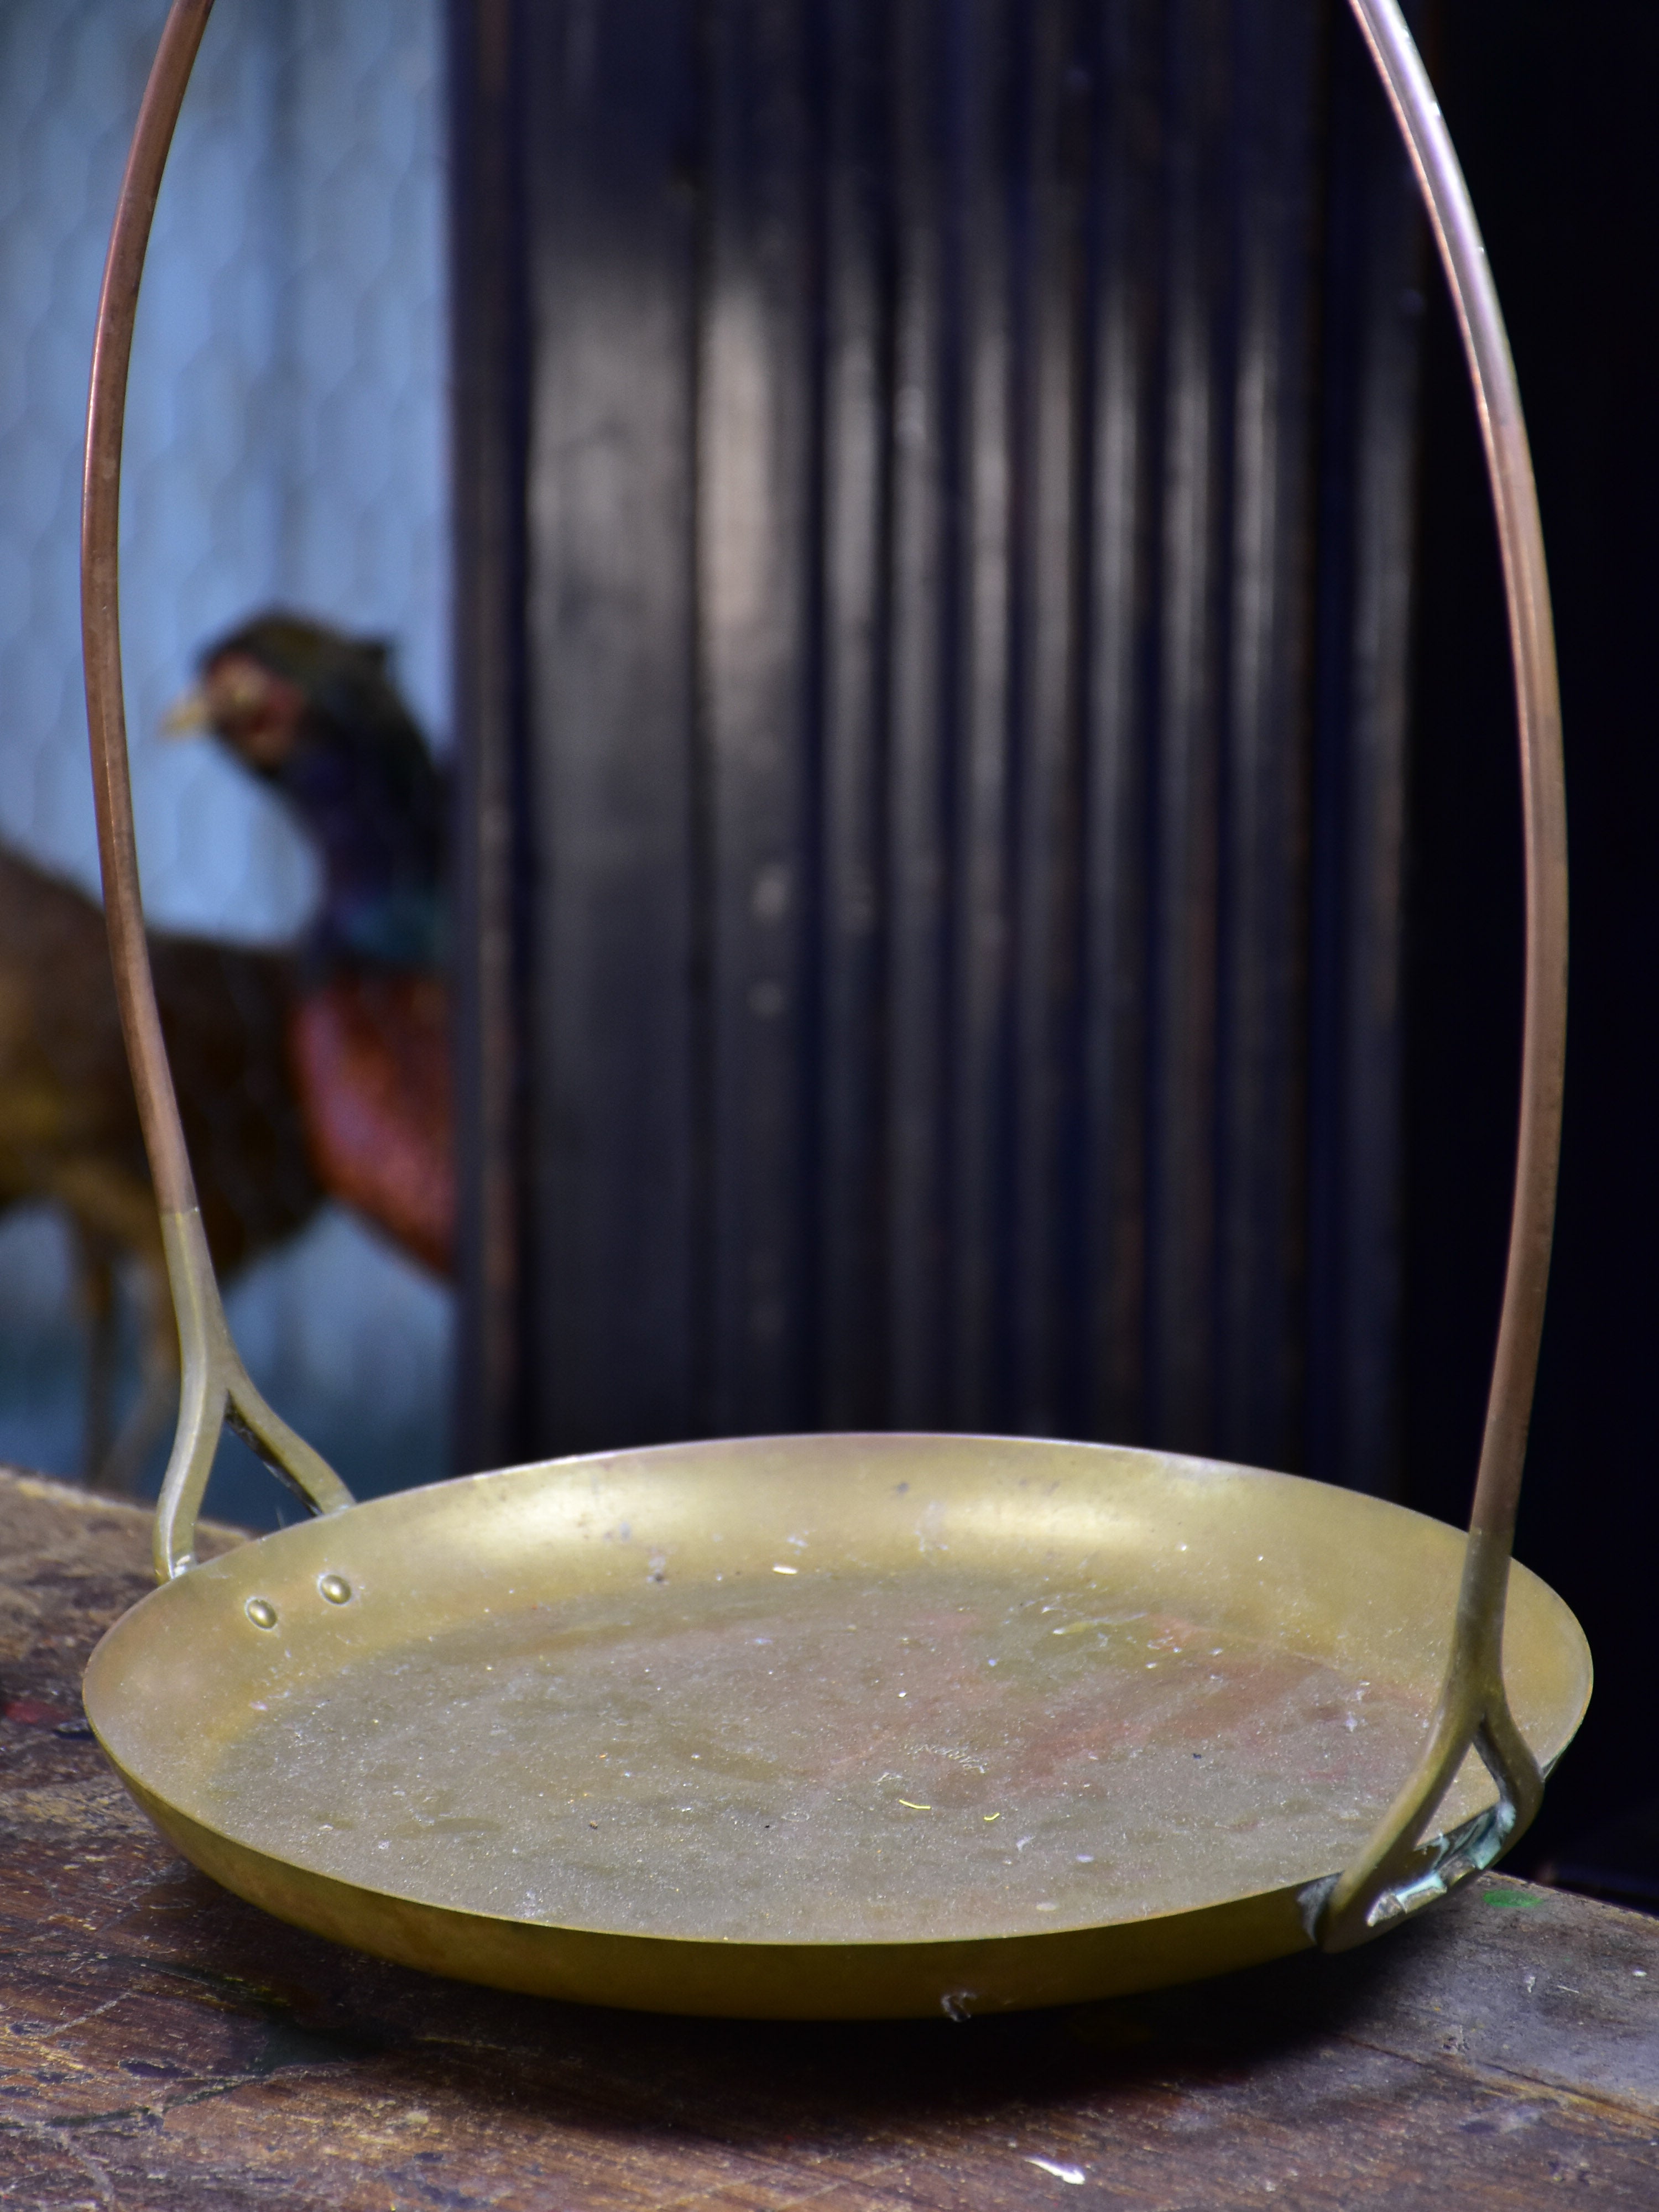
{"x": 1389, "y": 1877}
{"x": 214, "y": 1385}
{"x": 1543, "y": 784}
{"x": 100, "y": 616}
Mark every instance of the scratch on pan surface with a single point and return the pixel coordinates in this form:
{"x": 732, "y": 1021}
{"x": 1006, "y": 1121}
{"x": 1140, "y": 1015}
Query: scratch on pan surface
{"x": 1072, "y": 2173}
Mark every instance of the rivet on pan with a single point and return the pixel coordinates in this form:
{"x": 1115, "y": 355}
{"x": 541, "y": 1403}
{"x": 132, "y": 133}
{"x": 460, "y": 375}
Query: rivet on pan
{"x": 262, "y": 1613}
{"x": 334, "y": 1587}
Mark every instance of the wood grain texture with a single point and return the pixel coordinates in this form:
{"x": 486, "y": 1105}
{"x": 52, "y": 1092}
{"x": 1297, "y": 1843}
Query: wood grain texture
{"x": 163, "y": 2044}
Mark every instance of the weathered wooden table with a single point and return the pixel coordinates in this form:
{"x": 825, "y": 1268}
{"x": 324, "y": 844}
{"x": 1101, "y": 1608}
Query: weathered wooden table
{"x": 163, "y": 2044}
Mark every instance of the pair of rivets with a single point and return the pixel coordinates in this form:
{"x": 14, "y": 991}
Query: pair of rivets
{"x": 334, "y": 1587}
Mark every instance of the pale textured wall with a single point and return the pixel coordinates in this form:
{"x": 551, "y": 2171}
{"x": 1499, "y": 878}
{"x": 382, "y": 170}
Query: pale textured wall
{"x": 285, "y": 442}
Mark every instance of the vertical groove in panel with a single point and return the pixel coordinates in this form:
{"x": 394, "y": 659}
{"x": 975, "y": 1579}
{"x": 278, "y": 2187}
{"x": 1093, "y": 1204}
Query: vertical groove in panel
{"x": 608, "y": 616}
{"x": 982, "y": 825}
{"x": 1045, "y": 762}
{"x": 1259, "y": 1258}
{"x": 1121, "y": 338}
{"x": 925, "y": 645}
{"x": 854, "y": 1379}
{"x": 1375, "y": 263}
{"x": 757, "y": 535}
{"x": 1180, "y": 1319}
{"x": 486, "y": 353}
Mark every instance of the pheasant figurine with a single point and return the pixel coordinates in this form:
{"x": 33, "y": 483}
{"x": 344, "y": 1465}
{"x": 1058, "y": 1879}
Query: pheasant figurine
{"x": 315, "y": 714}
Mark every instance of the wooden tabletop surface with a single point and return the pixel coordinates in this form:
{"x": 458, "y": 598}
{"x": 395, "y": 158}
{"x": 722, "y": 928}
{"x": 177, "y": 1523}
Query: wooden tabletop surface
{"x": 163, "y": 2044}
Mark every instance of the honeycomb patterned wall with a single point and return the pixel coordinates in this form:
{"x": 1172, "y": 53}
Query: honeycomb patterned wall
{"x": 285, "y": 443}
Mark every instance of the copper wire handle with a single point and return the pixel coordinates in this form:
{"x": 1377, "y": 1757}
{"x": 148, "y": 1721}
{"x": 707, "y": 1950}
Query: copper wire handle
{"x": 214, "y": 1384}
{"x": 1394, "y": 1874}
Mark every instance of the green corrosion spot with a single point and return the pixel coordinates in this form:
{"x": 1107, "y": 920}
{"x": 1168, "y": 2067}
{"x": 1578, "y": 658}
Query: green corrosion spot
{"x": 1514, "y": 1900}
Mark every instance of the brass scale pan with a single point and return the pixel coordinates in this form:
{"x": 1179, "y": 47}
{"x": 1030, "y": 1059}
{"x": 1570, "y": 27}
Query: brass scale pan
{"x": 843, "y": 1726}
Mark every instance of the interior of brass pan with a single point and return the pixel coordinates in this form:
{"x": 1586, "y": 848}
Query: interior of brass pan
{"x": 811, "y": 1725}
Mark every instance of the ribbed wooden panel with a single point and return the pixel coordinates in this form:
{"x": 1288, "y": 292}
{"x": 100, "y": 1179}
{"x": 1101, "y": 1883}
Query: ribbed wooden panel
{"x": 966, "y": 461}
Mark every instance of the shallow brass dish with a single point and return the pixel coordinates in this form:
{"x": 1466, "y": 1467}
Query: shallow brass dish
{"x": 842, "y": 1726}
{"x": 811, "y": 1726}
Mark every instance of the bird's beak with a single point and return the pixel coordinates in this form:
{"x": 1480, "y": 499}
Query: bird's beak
{"x": 188, "y": 715}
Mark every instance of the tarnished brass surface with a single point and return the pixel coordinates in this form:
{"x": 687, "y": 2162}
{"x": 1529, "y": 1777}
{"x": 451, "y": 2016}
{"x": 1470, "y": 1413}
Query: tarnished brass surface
{"x": 811, "y": 1725}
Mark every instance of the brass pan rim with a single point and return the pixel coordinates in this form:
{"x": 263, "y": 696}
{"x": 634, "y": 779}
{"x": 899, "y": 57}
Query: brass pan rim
{"x": 676, "y": 1969}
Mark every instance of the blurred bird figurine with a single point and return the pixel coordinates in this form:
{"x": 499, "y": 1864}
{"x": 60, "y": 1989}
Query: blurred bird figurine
{"x": 315, "y": 714}
{"x": 324, "y": 1072}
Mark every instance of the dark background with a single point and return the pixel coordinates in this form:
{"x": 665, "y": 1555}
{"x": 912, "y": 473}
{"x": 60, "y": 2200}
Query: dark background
{"x": 638, "y": 1162}
{"x": 1551, "y": 110}
{"x": 935, "y": 525}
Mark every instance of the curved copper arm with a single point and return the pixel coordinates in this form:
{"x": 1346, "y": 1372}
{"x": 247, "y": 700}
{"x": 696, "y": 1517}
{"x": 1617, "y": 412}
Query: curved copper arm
{"x": 1392, "y": 1875}
{"x": 215, "y": 1385}
{"x": 100, "y": 620}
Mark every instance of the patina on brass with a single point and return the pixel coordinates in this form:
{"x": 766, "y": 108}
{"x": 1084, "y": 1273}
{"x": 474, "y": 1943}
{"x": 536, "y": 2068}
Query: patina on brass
{"x": 843, "y": 1726}
{"x": 811, "y": 1725}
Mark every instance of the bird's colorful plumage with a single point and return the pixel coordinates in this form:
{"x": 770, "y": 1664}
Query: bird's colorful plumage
{"x": 347, "y": 755}
{"x": 317, "y": 715}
